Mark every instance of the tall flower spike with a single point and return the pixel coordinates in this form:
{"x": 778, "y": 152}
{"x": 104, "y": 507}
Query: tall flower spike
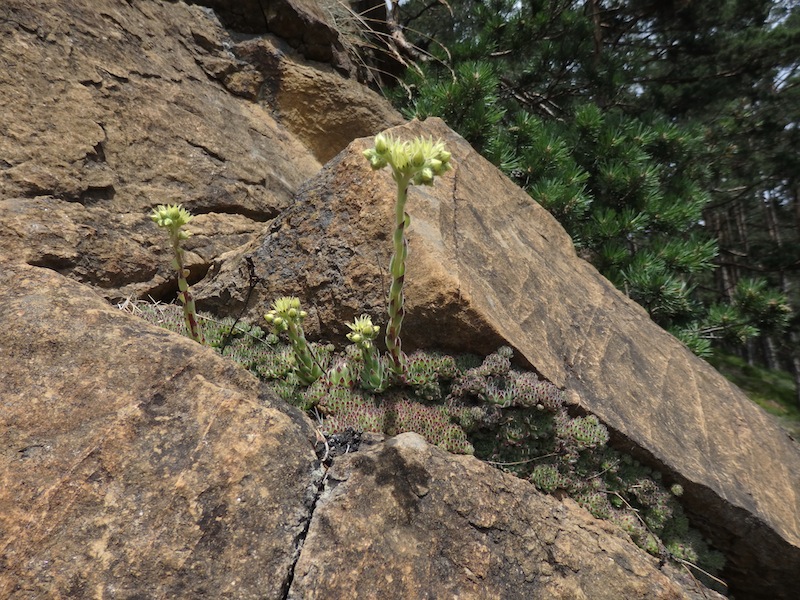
{"x": 173, "y": 217}
{"x": 417, "y": 162}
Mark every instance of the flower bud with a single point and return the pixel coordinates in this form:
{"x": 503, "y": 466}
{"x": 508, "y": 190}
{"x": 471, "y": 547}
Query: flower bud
{"x": 375, "y": 161}
{"x": 418, "y": 160}
{"x": 381, "y": 144}
{"x": 424, "y": 177}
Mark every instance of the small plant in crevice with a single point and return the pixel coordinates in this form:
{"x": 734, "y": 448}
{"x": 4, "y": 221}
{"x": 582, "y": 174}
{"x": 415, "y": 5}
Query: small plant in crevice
{"x": 286, "y": 316}
{"x": 466, "y": 404}
{"x": 343, "y": 398}
{"x": 520, "y": 423}
{"x": 173, "y": 217}
{"x": 373, "y": 370}
{"x": 250, "y": 345}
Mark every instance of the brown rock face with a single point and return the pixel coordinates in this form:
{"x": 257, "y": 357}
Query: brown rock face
{"x": 489, "y": 266}
{"x": 108, "y": 113}
{"x": 407, "y": 520}
{"x": 302, "y": 23}
{"x": 111, "y": 108}
{"x": 134, "y": 462}
{"x": 324, "y": 110}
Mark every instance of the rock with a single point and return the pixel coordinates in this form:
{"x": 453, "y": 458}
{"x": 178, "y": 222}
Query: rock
{"x": 303, "y": 24}
{"x": 488, "y": 266}
{"x": 111, "y": 109}
{"x": 319, "y": 106}
{"x": 109, "y": 112}
{"x": 135, "y": 462}
{"x": 245, "y": 16}
{"x": 407, "y": 520}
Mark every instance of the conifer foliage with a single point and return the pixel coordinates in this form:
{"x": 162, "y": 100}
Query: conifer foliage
{"x": 627, "y": 121}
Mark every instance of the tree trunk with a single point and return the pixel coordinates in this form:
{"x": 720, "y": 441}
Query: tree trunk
{"x": 771, "y": 354}
{"x": 794, "y": 339}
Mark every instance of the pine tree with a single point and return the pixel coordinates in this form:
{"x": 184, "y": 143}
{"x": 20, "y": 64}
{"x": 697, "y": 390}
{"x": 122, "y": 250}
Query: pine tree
{"x": 633, "y": 123}
{"x": 733, "y": 66}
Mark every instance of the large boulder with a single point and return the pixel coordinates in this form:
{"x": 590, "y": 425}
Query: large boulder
{"x": 487, "y": 266}
{"x": 135, "y": 463}
{"x": 405, "y": 519}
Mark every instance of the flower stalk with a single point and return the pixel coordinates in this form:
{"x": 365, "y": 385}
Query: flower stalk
{"x": 363, "y": 334}
{"x": 414, "y": 162}
{"x": 287, "y": 317}
{"x": 173, "y": 217}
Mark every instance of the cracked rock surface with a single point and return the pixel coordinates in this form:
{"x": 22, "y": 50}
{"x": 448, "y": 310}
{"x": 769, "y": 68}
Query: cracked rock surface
{"x": 108, "y": 112}
{"x": 404, "y": 519}
{"x": 110, "y": 108}
{"x": 135, "y": 462}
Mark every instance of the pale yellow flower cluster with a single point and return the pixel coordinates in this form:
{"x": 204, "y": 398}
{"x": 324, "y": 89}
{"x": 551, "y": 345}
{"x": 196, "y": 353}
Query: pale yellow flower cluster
{"x": 172, "y": 217}
{"x": 418, "y": 160}
{"x": 363, "y": 331}
{"x": 285, "y": 310}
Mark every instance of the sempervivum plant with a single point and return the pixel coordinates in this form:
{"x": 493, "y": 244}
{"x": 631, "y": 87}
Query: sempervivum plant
{"x": 173, "y": 217}
{"x": 363, "y": 334}
{"x": 418, "y": 162}
{"x": 287, "y": 317}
